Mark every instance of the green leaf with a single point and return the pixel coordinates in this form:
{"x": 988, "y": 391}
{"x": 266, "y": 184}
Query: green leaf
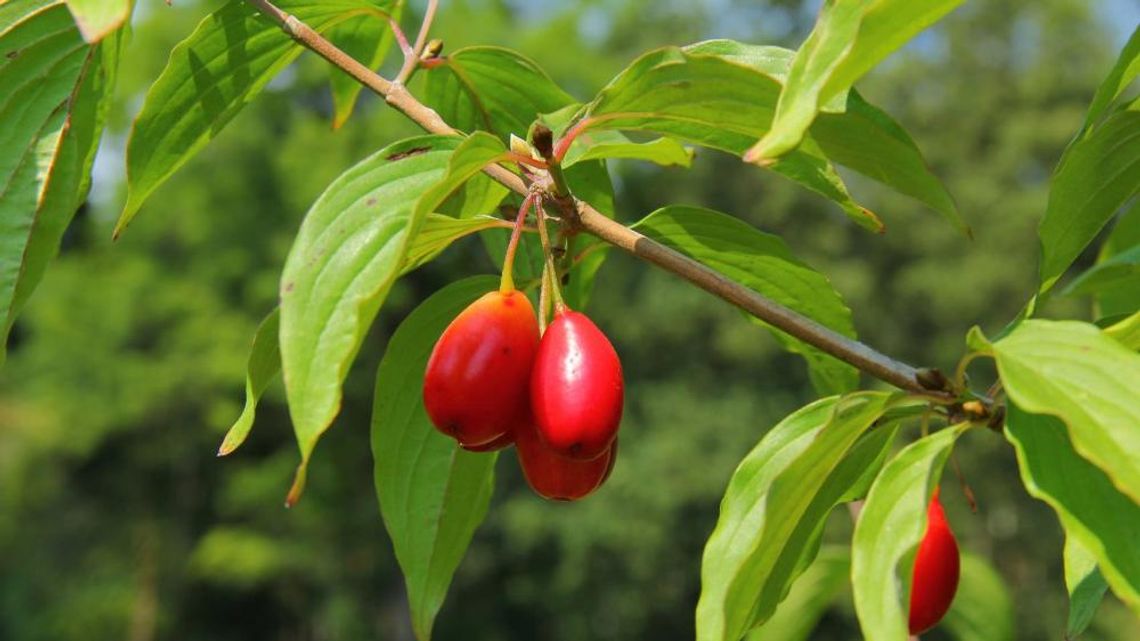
{"x": 264, "y": 364}
{"x": 763, "y": 263}
{"x": 1086, "y": 586}
{"x": 808, "y": 599}
{"x": 1126, "y": 69}
{"x": 98, "y": 18}
{"x": 432, "y": 493}
{"x": 53, "y": 97}
{"x": 853, "y": 132}
{"x": 1097, "y": 175}
{"x": 982, "y": 609}
{"x": 348, "y": 252}
{"x": 1124, "y": 298}
{"x": 439, "y": 231}
{"x": 596, "y": 145}
{"x": 1089, "y": 506}
{"x": 210, "y": 76}
{"x": 1119, "y": 270}
{"x": 1126, "y": 331}
{"x": 1072, "y": 370}
{"x": 849, "y": 38}
{"x": 367, "y": 40}
{"x": 889, "y": 528}
{"x": 491, "y": 89}
{"x": 655, "y": 93}
{"x": 777, "y": 500}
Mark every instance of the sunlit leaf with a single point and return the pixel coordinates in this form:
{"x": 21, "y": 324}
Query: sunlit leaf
{"x": 97, "y": 18}
{"x": 227, "y": 60}
{"x": 492, "y": 89}
{"x": 1126, "y": 331}
{"x": 1086, "y": 586}
{"x": 764, "y": 263}
{"x": 889, "y": 528}
{"x": 849, "y": 38}
{"x": 1088, "y": 504}
{"x": 432, "y": 493}
{"x": 775, "y": 504}
{"x": 612, "y": 144}
{"x": 53, "y": 96}
{"x": 654, "y": 94}
{"x": 1072, "y": 370}
{"x": 350, "y": 249}
{"x": 439, "y": 231}
{"x": 1097, "y": 175}
{"x": 808, "y": 599}
{"x": 264, "y": 365}
{"x": 367, "y": 40}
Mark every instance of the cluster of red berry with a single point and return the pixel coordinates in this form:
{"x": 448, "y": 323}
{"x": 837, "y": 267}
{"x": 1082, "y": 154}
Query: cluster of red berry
{"x": 492, "y": 381}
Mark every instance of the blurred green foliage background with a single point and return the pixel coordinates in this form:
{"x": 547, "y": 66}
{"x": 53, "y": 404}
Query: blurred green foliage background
{"x": 118, "y": 522}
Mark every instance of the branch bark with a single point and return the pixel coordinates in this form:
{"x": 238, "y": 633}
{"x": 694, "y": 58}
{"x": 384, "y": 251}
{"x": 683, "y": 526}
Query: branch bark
{"x": 851, "y": 351}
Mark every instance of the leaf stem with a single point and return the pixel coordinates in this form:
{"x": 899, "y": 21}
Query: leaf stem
{"x": 412, "y": 57}
{"x": 507, "y": 282}
{"x": 584, "y": 215}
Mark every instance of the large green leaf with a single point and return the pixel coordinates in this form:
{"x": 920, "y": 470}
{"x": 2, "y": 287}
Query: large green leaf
{"x": 849, "y": 38}
{"x": 491, "y": 89}
{"x": 432, "y": 493}
{"x": 264, "y": 364}
{"x": 439, "y": 231}
{"x": 1126, "y": 331}
{"x": 808, "y": 599}
{"x": 1118, "y": 270}
{"x": 1126, "y": 69}
{"x": 1086, "y": 586}
{"x": 98, "y": 18}
{"x": 1088, "y": 504}
{"x": 348, "y": 252}
{"x": 1124, "y": 297}
{"x": 889, "y": 528}
{"x": 776, "y": 502}
{"x": 367, "y": 41}
{"x": 597, "y": 145}
{"x": 764, "y": 263}
{"x": 210, "y": 76}
{"x": 1098, "y": 174}
{"x": 1072, "y": 370}
{"x": 982, "y": 609}
{"x": 853, "y": 132}
{"x": 53, "y": 97}
{"x": 655, "y": 94}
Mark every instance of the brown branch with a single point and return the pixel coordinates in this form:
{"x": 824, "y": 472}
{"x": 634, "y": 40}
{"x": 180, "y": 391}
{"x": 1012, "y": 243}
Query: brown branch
{"x": 851, "y": 351}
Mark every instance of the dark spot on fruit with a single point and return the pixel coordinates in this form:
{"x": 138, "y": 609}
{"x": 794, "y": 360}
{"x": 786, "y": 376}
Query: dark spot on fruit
{"x": 411, "y": 152}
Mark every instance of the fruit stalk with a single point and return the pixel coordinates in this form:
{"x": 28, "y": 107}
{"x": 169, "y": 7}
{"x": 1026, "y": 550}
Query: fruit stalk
{"x": 507, "y": 281}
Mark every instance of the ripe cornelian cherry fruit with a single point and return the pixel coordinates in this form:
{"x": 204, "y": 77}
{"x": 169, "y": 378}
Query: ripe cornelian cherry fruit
{"x": 935, "y": 577}
{"x": 556, "y": 477}
{"x": 501, "y": 443}
{"x": 576, "y": 387}
{"x": 475, "y": 385}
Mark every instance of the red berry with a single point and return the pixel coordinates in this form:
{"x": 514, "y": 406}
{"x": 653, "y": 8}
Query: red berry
{"x": 576, "y": 388}
{"x": 503, "y": 442}
{"x": 935, "y": 576}
{"x": 555, "y": 477}
{"x": 475, "y": 386}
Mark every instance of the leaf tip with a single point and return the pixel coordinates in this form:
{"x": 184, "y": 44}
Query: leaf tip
{"x": 298, "y": 486}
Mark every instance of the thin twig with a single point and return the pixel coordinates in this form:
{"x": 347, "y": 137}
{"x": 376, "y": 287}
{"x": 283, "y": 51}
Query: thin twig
{"x": 412, "y": 59}
{"x": 851, "y": 351}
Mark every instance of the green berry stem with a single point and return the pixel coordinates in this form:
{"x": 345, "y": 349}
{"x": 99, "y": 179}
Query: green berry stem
{"x": 544, "y": 236}
{"x": 507, "y": 282}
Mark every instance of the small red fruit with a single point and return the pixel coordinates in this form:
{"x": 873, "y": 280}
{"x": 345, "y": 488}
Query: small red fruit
{"x": 475, "y": 385}
{"x": 576, "y": 388}
{"x": 555, "y": 477}
{"x": 935, "y": 578}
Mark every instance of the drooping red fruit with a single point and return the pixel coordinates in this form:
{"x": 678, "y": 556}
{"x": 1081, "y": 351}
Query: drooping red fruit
{"x": 576, "y": 388}
{"x": 935, "y": 578}
{"x": 476, "y": 381}
{"x": 556, "y": 477}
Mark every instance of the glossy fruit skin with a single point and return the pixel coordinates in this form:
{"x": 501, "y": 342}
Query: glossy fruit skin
{"x": 556, "y": 477}
{"x": 505, "y": 440}
{"x": 935, "y": 578}
{"x": 476, "y": 381}
{"x": 576, "y": 388}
